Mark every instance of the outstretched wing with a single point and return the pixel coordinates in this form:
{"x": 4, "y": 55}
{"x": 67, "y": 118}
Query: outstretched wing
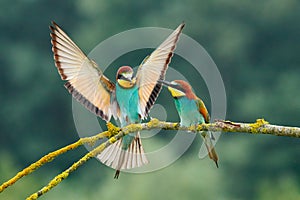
{"x": 154, "y": 68}
{"x": 86, "y": 81}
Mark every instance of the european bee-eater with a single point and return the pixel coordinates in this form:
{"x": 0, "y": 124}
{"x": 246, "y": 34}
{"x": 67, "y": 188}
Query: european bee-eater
{"x": 129, "y": 100}
{"x": 192, "y": 111}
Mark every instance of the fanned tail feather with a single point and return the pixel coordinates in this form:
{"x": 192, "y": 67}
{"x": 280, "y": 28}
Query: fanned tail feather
{"x": 117, "y": 158}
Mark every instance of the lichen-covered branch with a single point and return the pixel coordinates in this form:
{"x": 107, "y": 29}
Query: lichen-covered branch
{"x": 59, "y": 178}
{"x": 259, "y": 127}
{"x": 115, "y": 133}
{"x": 50, "y": 156}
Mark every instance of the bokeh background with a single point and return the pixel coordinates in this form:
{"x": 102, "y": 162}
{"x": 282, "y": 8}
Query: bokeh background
{"x": 255, "y": 46}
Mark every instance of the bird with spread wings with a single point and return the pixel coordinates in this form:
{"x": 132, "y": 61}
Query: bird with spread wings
{"x": 129, "y": 100}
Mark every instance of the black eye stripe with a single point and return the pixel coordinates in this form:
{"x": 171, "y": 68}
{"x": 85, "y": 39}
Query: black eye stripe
{"x": 119, "y": 76}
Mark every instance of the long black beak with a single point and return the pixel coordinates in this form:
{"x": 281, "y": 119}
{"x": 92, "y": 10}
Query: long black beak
{"x": 127, "y": 79}
{"x": 167, "y": 83}
{"x": 124, "y": 78}
{"x": 120, "y": 76}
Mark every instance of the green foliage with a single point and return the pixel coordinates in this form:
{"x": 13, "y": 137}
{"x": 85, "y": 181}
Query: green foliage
{"x": 255, "y": 46}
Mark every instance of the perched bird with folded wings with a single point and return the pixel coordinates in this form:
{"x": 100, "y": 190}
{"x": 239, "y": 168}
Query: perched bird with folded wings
{"x": 192, "y": 111}
{"x": 129, "y": 100}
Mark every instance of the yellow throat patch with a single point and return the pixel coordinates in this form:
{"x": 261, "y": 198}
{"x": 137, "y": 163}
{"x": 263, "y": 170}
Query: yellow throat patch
{"x": 126, "y": 84}
{"x": 175, "y": 92}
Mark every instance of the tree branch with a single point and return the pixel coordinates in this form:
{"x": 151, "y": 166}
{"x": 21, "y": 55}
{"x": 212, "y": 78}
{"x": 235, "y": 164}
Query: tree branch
{"x": 50, "y": 156}
{"x": 115, "y": 133}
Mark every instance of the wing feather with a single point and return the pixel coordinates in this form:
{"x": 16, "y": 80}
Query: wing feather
{"x": 85, "y": 81}
{"x": 152, "y": 69}
{"x": 202, "y": 109}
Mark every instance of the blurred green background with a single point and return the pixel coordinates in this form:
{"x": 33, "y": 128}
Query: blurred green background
{"x": 255, "y": 46}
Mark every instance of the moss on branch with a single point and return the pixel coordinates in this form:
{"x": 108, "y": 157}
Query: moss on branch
{"x": 115, "y": 133}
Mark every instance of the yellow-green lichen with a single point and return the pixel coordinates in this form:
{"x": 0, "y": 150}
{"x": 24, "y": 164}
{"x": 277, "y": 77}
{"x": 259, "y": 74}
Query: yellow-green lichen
{"x": 202, "y": 127}
{"x": 112, "y": 140}
{"x": 132, "y": 128}
{"x": 112, "y": 129}
{"x": 176, "y": 125}
{"x": 34, "y": 196}
{"x": 258, "y": 124}
{"x": 153, "y": 122}
{"x": 192, "y": 128}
